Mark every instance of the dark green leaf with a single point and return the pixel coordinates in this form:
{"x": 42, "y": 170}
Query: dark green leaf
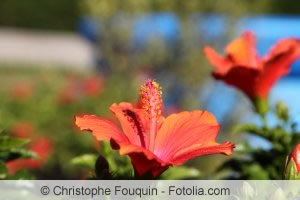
{"x": 3, "y": 170}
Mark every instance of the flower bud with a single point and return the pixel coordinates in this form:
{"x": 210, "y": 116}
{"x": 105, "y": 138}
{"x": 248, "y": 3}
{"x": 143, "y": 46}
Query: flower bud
{"x": 282, "y": 111}
{"x": 292, "y": 168}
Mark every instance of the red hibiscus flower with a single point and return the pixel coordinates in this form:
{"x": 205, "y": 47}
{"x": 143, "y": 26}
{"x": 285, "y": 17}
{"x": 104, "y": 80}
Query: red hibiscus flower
{"x": 77, "y": 88}
{"x": 243, "y": 68}
{"x": 153, "y": 142}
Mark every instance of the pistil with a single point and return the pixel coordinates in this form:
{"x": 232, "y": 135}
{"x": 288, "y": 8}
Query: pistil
{"x": 152, "y": 104}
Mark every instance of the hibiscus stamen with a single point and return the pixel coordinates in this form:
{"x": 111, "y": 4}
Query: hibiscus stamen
{"x": 152, "y": 103}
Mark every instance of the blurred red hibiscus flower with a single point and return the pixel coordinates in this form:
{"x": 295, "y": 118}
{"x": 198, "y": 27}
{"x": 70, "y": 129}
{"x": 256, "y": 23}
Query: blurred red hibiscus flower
{"x": 22, "y": 90}
{"x": 77, "y": 88}
{"x": 93, "y": 86}
{"x": 42, "y": 146}
{"x": 243, "y": 68}
{"x": 23, "y": 129}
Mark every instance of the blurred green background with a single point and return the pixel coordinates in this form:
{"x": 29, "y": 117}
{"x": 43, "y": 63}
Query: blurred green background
{"x": 64, "y": 15}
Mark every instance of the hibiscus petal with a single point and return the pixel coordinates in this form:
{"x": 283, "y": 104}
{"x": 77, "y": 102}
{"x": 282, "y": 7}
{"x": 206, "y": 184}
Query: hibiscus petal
{"x": 222, "y": 64}
{"x": 143, "y": 160}
{"x": 198, "y": 150}
{"x": 242, "y": 78}
{"x": 277, "y": 64}
{"x": 242, "y": 50}
{"x": 102, "y": 129}
{"x": 132, "y": 121}
{"x": 183, "y": 130}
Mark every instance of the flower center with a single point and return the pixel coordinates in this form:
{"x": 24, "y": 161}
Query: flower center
{"x": 152, "y": 104}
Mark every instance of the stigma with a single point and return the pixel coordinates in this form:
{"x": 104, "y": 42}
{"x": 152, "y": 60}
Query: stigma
{"x": 151, "y": 99}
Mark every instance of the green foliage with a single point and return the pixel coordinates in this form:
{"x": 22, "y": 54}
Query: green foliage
{"x": 253, "y": 163}
{"x": 107, "y": 8}
{"x": 7, "y": 143}
{"x": 181, "y": 172}
{"x": 75, "y": 153}
{"x": 63, "y": 15}
{"x": 12, "y": 149}
{"x": 3, "y": 170}
{"x": 42, "y": 14}
{"x": 282, "y": 111}
{"x": 120, "y": 166}
{"x": 85, "y": 160}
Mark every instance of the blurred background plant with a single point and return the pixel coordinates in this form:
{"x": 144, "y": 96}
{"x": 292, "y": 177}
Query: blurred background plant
{"x": 269, "y": 161}
{"x": 12, "y": 150}
{"x": 118, "y": 44}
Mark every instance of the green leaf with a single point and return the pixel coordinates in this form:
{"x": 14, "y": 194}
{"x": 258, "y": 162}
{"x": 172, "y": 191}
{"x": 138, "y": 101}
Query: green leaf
{"x": 13, "y": 154}
{"x": 23, "y": 175}
{"x": 86, "y": 160}
{"x": 3, "y": 170}
{"x": 24, "y": 153}
{"x": 7, "y": 143}
{"x": 256, "y": 172}
{"x": 249, "y": 128}
{"x": 182, "y": 172}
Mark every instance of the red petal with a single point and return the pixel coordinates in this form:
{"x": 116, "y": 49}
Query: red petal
{"x": 296, "y": 156}
{"x": 222, "y": 64}
{"x": 180, "y": 131}
{"x": 20, "y": 164}
{"x": 201, "y": 150}
{"x": 133, "y": 122}
{"x": 242, "y": 78}
{"x": 43, "y": 147}
{"x": 102, "y": 129}
{"x": 143, "y": 160}
{"x": 277, "y": 64}
{"x": 242, "y": 51}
